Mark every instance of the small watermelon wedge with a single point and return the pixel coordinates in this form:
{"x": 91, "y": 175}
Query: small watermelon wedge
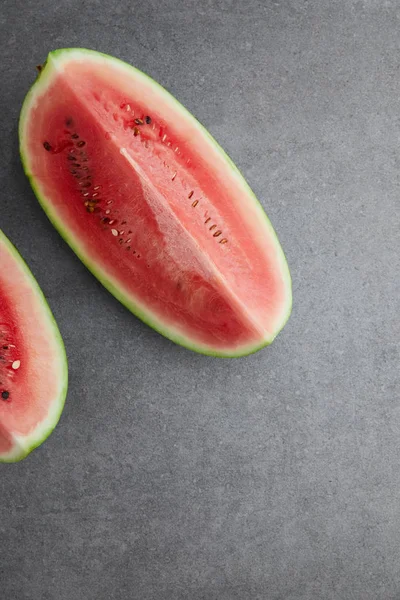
{"x": 33, "y": 365}
{"x": 152, "y": 205}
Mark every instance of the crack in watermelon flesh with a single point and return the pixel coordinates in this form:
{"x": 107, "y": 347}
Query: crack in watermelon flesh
{"x": 33, "y": 370}
{"x": 152, "y": 205}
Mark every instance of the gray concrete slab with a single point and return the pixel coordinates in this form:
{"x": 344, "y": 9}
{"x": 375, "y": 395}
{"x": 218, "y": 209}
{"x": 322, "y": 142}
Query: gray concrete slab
{"x": 173, "y": 476}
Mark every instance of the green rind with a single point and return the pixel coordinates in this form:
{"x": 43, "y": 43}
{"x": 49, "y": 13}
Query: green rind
{"x": 33, "y": 440}
{"x": 117, "y": 293}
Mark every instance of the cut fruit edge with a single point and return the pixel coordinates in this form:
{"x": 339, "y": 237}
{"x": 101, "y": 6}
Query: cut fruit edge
{"x": 53, "y": 66}
{"x": 22, "y": 445}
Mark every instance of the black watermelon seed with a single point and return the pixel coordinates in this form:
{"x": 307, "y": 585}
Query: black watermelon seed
{"x": 5, "y": 395}
{"x": 74, "y": 136}
{"x": 46, "y": 146}
{"x": 69, "y": 122}
{"x": 5, "y": 347}
{"x": 81, "y": 143}
{"x": 148, "y": 120}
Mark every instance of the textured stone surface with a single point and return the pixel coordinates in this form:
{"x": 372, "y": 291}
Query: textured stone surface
{"x": 173, "y": 476}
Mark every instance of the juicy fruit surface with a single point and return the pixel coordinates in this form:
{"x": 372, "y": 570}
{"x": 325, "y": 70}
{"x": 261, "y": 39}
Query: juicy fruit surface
{"x": 152, "y": 206}
{"x": 32, "y": 359}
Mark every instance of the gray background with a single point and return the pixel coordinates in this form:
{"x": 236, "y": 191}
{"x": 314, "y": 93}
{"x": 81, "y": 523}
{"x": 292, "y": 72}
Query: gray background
{"x": 176, "y": 476}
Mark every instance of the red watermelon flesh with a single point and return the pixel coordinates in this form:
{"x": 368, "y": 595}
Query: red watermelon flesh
{"x": 152, "y": 205}
{"x": 33, "y": 367}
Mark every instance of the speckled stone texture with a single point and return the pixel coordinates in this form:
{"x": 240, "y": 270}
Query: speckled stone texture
{"x": 173, "y": 476}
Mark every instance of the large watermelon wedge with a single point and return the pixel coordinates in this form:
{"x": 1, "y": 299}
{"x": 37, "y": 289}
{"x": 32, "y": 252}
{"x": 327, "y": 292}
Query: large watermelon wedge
{"x": 152, "y": 205}
{"x": 33, "y": 365}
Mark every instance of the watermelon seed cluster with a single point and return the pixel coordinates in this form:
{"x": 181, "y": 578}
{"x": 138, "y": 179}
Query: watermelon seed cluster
{"x": 217, "y": 233}
{"x": 92, "y": 197}
{"x": 8, "y": 362}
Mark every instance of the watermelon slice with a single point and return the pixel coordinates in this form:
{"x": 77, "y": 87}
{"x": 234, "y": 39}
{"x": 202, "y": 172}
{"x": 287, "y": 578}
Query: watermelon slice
{"x": 33, "y": 366}
{"x": 152, "y": 205}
